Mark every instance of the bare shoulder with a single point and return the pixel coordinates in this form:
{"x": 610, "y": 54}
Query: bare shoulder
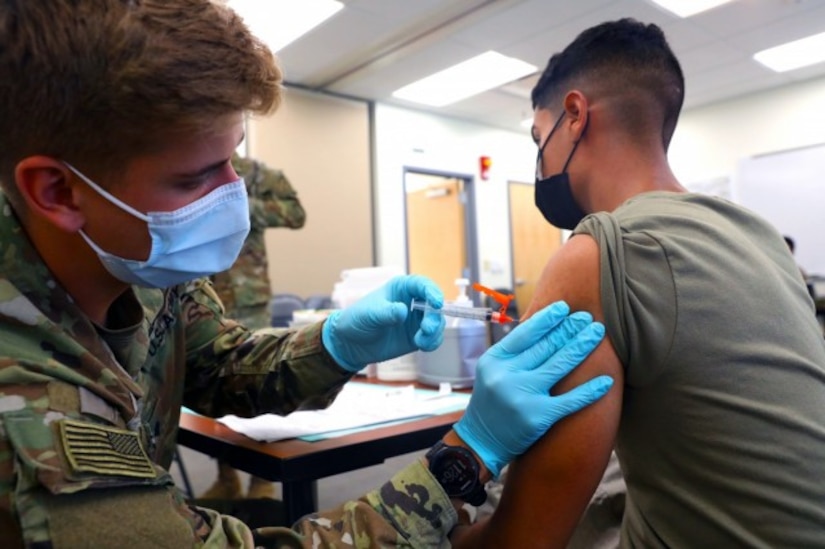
{"x": 571, "y": 274}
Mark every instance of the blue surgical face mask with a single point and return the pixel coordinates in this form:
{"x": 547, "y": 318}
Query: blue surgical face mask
{"x": 199, "y": 239}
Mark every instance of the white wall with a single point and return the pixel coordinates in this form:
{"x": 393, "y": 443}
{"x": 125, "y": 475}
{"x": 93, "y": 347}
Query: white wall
{"x": 788, "y": 189}
{"x": 412, "y": 139}
{"x": 717, "y": 144}
{"x": 322, "y": 145}
{"x": 709, "y": 141}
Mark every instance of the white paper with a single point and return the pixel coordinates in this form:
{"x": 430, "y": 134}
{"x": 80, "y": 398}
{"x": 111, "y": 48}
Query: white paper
{"x": 357, "y": 405}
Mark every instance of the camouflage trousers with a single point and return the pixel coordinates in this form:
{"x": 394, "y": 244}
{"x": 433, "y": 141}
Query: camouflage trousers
{"x": 255, "y": 513}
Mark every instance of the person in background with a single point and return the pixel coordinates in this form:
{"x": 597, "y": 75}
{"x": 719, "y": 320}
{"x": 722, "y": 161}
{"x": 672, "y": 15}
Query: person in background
{"x": 791, "y": 243}
{"x": 244, "y": 288}
{"x": 118, "y": 199}
{"x": 718, "y": 413}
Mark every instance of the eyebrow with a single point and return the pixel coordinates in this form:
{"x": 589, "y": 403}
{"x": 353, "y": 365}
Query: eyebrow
{"x": 210, "y": 167}
{"x": 534, "y": 134}
{"x": 203, "y": 171}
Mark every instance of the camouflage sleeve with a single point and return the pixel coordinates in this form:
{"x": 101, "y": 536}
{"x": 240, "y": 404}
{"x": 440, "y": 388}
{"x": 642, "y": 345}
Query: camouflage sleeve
{"x": 272, "y": 200}
{"x": 234, "y": 370}
{"x": 411, "y": 510}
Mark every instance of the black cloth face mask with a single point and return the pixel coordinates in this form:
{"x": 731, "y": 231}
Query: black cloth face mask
{"x": 554, "y": 197}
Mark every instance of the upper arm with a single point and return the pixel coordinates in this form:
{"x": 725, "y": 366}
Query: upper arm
{"x": 552, "y": 483}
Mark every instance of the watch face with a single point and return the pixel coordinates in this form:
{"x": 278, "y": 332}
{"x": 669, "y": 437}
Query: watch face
{"x": 456, "y": 471}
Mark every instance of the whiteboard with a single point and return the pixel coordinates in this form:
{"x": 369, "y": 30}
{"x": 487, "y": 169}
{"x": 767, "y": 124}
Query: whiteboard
{"x": 788, "y": 189}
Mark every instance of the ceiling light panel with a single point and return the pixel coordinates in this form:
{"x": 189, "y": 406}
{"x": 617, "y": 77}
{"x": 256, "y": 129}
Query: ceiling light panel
{"x": 794, "y": 55}
{"x": 686, "y": 8}
{"x": 473, "y": 76}
{"x": 280, "y": 22}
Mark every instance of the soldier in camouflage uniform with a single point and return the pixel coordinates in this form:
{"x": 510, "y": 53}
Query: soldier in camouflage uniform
{"x": 244, "y": 289}
{"x": 106, "y": 329}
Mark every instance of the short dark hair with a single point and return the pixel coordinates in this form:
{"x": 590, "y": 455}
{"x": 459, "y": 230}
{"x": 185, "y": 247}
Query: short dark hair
{"x": 623, "y": 58}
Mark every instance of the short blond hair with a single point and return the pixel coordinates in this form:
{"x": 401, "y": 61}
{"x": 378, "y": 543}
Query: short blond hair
{"x": 97, "y": 82}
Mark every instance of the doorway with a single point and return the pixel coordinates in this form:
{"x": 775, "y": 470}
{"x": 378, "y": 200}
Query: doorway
{"x": 533, "y": 239}
{"x": 441, "y": 230}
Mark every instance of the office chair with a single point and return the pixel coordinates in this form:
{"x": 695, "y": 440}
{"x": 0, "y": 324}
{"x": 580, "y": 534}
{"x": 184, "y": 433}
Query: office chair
{"x": 319, "y": 302}
{"x": 281, "y": 307}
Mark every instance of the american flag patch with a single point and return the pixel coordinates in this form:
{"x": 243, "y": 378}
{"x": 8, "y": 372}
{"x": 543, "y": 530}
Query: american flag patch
{"x": 92, "y": 448}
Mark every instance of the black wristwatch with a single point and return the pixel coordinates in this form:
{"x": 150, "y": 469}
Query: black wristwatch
{"x": 456, "y": 469}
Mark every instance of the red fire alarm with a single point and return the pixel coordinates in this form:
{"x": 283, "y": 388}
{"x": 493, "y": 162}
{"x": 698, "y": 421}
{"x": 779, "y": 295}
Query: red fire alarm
{"x": 484, "y": 164}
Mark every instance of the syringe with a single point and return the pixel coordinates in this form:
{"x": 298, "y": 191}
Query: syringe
{"x": 478, "y": 313}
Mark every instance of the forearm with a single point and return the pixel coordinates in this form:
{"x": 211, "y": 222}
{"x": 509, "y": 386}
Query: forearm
{"x": 470, "y": 536}
{"x": 411, "y": 510}
{"x": 465, "y": 534}
{"x": 267, "y": 371}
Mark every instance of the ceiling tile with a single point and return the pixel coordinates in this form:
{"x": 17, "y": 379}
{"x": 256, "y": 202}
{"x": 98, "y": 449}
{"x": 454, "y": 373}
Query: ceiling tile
{"x": 744, "y": 15}
{"x": 373, "y": 47}
{"x": 381, "y": 83}
{"x": 525, "y": 19}
{"x": 779, "y": 31}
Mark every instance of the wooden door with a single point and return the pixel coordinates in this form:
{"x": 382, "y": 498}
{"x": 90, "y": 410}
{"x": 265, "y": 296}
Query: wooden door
{"x": 534, "y": 241}
{"x": 436, "y": 242}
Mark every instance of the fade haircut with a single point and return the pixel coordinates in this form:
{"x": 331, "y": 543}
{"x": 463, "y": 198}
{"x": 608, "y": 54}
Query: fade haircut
{"x": 99, "y": 82}
{"x": 624, "y": 60}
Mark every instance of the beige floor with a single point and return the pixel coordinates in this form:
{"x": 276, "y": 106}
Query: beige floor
{"x": 332, "y": 490}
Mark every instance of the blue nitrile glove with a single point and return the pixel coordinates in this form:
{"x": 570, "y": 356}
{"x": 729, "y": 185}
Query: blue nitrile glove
{"x": 380, "y": 325}
{"x": 511, "y": 406}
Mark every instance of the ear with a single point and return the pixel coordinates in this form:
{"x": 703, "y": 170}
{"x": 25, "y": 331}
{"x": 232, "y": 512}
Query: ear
{"x": 46, "y": 186}
{"x": 578, "y": 113}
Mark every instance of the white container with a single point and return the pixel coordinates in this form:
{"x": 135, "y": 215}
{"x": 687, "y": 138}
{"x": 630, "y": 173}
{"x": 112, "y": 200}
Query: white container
{"x": 401, "y": 368}
{"x": 454, "y": 362}
{"x": 355, "y": 284}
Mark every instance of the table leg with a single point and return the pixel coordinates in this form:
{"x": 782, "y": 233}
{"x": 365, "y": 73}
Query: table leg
{"x": 300, "y": 498}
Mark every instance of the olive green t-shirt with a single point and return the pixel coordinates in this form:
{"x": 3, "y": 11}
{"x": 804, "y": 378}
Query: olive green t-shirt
{"x": 722, "y": 434}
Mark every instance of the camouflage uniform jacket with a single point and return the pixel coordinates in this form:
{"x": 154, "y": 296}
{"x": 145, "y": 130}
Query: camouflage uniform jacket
{"x": 88, "y": 417}
{"x": 272, "y": 203}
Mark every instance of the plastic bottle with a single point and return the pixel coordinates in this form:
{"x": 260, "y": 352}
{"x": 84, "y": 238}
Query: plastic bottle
{"x": 465, "y": 340}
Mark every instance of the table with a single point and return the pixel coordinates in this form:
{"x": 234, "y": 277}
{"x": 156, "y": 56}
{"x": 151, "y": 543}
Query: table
{"x": 298, "y": 464}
